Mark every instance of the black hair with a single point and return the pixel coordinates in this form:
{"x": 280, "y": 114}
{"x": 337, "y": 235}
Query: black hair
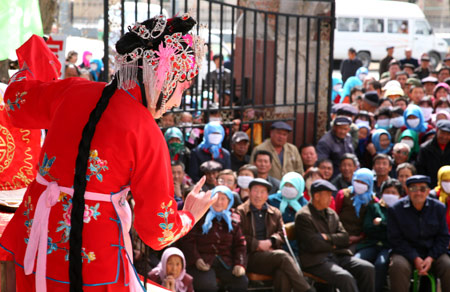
{"x": 352, "y": 50}
{"x": 397, "y": 110}
{"x": 375, "y": 84}
{"x": 324, "y": 160}
{"x": 263, "y": 152}
{"x": 415, "y": 86}
{"x": 383, "y": 111}
{"x": 305, "y": 145}
{"x": 126, "y": 44}
{"x": 392, "y": 182}
{"x": 444, "y": 68}
{"x": 380, "y": 102}
{"x": 401, "y": 98}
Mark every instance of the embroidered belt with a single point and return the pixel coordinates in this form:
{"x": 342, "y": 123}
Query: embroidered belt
{"x": 37, "y": 242}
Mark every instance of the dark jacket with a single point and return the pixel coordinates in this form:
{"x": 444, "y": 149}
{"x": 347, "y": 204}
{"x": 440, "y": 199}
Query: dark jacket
{"x": 349, "y": 67}
{"x": 340, "y": 183}
{"x": 236, "y": 163}
{"x": 230, "y": 246}
{"x": 198, "y": 156}
{"x": 431, "y": 158}
{"x": 375, "y": 235}
{"x": 384, "y": 64}
{"x": 309, "y": 224}
{"x": 422, "y": 73}
{"x": 274, "y": 226}
{"x": 412, "y": 61}
{"x": 413, "y": 233}
{"x": 331, "y": 147}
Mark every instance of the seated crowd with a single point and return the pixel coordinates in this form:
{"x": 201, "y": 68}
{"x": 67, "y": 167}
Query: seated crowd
{"x": 369, "y": 203}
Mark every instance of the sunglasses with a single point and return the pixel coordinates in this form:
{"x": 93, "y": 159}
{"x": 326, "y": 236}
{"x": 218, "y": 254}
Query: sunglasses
{"x": 417, "y": 189}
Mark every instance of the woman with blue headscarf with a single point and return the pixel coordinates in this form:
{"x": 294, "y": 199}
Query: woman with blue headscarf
{"x": 96, "y": 69}
{"x": 351, "y": 204}
{"x": 216, "y": 248}
{"x": 381, "y": 139}
{"x": 289, "y": 198}
{"x": 353, "y": 81}
{"x": 210, "y": 149}
{"x": 177, "y": 150}
{"x": 414, "y": 119}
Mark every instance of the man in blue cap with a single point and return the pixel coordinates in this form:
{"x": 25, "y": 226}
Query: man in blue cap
{"x": 435, "y": 153}
{"x": 336, "y": 142}
{"x": 418, "y": 234}
{"x": 286, "y": 157}
{"x": 323, "y": 244}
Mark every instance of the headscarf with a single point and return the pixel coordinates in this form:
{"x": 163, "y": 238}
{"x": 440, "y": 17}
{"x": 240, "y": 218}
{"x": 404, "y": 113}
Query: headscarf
{"x": 362, "y": 143}
{"x": 443, "y": 174}
{"x": 352, "y": 82}
{"x": 414, "y": 110}
{"x": 212, "y": 127}
{"x": 225, "y": 214}
{"x": 86, "y": 62}
{"x": 298, "y": 182}
{"x": 366, "y": 176}
{"x": 376, "y": 141}
{"x": 334, "y": 93}
{"x": 413, "y": 135}
{"x": 174, "y": 148}
{"x": 161, "y": 267}
{"x": 96, "y": 73}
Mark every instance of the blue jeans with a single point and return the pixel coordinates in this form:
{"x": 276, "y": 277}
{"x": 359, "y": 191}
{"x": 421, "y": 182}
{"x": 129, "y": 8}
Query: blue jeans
{"x": 379, "y": 257}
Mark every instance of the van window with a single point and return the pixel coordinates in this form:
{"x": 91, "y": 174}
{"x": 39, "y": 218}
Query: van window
{"x": 422, "y": 27}
{"x": 397, "y": 26}
{"x": 348, "y": 24}
{"x": 373, "y": 25}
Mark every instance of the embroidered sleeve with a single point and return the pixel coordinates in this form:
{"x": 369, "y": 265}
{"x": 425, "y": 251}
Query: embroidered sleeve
{"x": 157, "y": 220}
{"x": 31, "y": 103}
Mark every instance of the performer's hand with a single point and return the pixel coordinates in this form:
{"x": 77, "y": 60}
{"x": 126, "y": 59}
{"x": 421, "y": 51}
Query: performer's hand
{"x": 198, "y": 202}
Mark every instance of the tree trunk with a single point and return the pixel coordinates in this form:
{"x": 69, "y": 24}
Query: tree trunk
{"x": 49, "y": 9}
{"x": 4, "y": 65}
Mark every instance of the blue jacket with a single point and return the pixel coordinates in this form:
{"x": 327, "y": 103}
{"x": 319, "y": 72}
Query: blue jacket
{"x": 332, "y": 148}
{"x": 413, "y": 233}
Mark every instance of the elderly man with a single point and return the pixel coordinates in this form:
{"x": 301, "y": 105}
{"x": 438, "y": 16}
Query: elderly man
{"x": 323, "y": 244}
{"x": 336, "y": 142}
{"x": 370, "y": 101}
{"x": 435, "y": 152}
{"x": 349, "y": 164}
{"x": 400, "y": 153}
{"x": 418, "y": 234}
{"x": 424, "y": 70}
{"x": 262, "y": 226}
{"x": 239, "y": 149}
{"x": 285, "y": 155}
{"x": 409, "y": 59}
{"x": 384, "y": 63}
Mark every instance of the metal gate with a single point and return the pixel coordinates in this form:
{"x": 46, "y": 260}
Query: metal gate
{"x": 280, "y": 63}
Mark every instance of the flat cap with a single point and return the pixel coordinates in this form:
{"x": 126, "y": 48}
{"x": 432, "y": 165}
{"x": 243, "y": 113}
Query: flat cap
{"x": 430, "y": 79}
{"x": 342, "y": 120}
{"x": 239, "y": 136}
{"x": 261, "y": 182}
{"x": 389, "y": 47}
{"x": 210, "y": 165}
{"x": 443, "y": 125}
{"x": 282, "y": 126}
{"x": 322, "y": 185}
{"x": 413, "y": 81}
{"x": 425, "y": 58}
{"x": 347, "y": 109}
{"x": 408, "y": 65}
{"x": 372, "y": 98}
{"x": 418, "y": 178}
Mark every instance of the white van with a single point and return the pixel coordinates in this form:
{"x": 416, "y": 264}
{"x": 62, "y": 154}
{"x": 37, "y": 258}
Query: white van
{"x": 370, "y": 26}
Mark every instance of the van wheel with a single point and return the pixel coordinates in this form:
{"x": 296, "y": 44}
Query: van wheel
{"x": 365, "y": 58}
{"x": 434, "y": 59}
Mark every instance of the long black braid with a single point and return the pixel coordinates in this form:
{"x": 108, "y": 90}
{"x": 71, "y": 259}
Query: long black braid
{"x": 126, "y": 44}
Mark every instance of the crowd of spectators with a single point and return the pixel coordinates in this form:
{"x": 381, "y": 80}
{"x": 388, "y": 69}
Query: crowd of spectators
{"x": 369, "y": 202}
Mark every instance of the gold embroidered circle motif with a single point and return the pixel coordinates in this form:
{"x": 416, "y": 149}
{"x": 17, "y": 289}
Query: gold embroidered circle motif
{"x": 7, "y": 148}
